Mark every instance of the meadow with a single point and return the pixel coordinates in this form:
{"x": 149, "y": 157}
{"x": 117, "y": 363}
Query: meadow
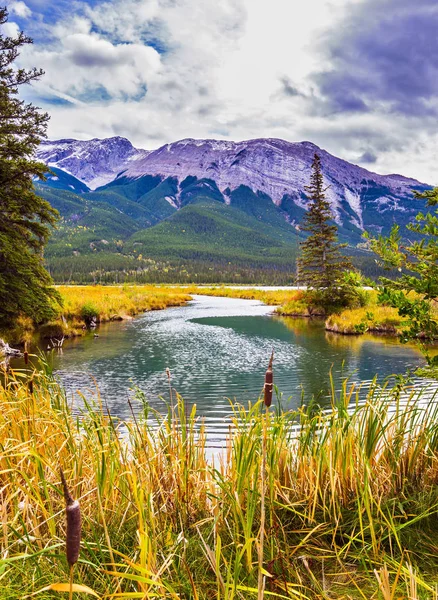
{"x": 82, "y": 305}
{"x": 305, "y": 504}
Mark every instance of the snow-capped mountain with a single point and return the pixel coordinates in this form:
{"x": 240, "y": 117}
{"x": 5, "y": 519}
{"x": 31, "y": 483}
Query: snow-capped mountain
{"x": 94, "y": 162}
{"x": 274, "y": 167}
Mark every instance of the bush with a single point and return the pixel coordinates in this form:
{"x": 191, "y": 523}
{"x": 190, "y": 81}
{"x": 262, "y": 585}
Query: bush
{"x": 89, "y": 313}
{"x": 53, "y": 329}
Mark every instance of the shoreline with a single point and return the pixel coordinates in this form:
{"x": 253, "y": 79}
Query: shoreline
{"x": 89, "y": 305}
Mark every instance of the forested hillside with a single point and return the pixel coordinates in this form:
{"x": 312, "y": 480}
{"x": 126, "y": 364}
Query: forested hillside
{"x": 174, "y": 225}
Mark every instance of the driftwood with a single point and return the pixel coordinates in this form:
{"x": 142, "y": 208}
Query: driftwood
{"x": 6, "y": 350}
{"x": 56, "y": 343}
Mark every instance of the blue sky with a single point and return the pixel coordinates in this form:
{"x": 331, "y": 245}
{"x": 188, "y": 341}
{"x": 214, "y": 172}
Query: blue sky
{"x": 357, "y": 77}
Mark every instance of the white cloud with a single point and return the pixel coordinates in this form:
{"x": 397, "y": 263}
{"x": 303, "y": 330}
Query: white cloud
{"x": 82, "y": 62}
{"x": 10, "y": 29}
{"x": 20, "y": 8}
{"x": 228, "y": 69}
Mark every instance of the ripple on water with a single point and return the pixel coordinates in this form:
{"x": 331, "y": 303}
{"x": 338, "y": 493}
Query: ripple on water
{"x": 218, "y": 348}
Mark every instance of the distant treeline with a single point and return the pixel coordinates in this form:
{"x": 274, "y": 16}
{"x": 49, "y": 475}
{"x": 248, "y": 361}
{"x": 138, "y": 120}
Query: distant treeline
{"x": 118, "y": 268}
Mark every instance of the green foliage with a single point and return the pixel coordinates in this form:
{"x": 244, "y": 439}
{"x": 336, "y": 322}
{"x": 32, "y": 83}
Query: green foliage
{"x": 339, "y": 502}
{"x": 132, "y": 231}
{"x": 89, "y": 312}
{"x": 25, "y": 286}
{"x": 415, "y": 292}
{"x": 321, "y": 265}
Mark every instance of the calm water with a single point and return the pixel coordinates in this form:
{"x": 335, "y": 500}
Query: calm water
{"x": 219, "y": 348}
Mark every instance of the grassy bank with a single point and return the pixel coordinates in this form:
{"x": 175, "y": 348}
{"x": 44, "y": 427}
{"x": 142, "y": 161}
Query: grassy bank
{"x": 349, "y": 510}
{"x": 95, "y": 303}
{"x": 289, "y": 302}
{"x": 117, "y": 302}
{"x": 269, "y": 297}
{"x": 370, "y": 318}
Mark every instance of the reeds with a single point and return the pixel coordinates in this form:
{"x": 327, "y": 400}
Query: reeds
{"x": 73, "y": 533}
{"x": 350, "y": 498}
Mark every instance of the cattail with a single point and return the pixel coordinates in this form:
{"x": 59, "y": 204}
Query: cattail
{"x": 269, "y": 383}
{"x": 26, "y": 354}
{"x": 30, "y": 386}
{"x": 170, "y": 385}
{"x": 74, "y": 523}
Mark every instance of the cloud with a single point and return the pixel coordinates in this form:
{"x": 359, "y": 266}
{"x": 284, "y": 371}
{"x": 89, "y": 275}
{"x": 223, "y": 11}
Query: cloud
{"x": 83, "y": 64}
{"x": 20, "y": 8}
{"x": 357, "y": 77}
{"x": 368, "y": 158}
{"x": 288, "y": 88}
{"x": 384, "y": 55}
{"x": 10, "y": 29}
{"x": 161, "y": 53}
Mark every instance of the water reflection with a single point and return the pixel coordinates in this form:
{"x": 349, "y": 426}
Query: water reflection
{"x": 218, "y": 348}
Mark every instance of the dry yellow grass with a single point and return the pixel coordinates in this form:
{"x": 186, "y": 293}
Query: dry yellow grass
{"x": 351, "y": 494}
{"x": 379, "y": 319}
{"x": 105, "y": 303}
{"x": 119, "y": 301}
{"x": 269, "y": 297}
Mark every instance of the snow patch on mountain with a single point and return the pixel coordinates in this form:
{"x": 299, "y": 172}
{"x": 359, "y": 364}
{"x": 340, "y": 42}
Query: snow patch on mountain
{"x": 95, "y": 162}
{"x": 353, "y": 199}
{"x": 271, "y": 166}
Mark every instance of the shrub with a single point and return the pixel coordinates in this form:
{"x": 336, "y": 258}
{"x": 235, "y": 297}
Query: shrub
{"x": 89, "y": 313}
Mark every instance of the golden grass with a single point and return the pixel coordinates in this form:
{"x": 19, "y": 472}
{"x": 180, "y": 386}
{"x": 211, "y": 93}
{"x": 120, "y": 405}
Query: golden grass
{"x": 350, "y": 505}
{"x": 107, "y": 303}
{"x": 379, "y": 319}
{"x": 119, "y": 301}
{"x": 269, "y": 297}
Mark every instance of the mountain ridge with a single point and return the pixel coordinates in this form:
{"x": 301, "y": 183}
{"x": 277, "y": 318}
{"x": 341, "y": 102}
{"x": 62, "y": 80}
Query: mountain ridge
{"x": 186, "y": 201}
{"x": 275, "y": 167}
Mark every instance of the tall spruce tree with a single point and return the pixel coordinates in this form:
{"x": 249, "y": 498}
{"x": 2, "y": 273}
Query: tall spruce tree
{"x": 322, "y": 266}
{"x": 25, "y": 286}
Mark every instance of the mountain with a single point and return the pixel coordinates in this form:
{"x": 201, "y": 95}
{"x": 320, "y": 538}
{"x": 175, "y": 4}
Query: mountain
{"x": 94, "y": 162}
{"x": 198, "y": 203}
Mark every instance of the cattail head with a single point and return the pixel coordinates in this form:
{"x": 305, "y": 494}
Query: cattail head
{"x": 26, "y": 354}
{"x": 269, "y": 383}
{"x": 74, "y": 524}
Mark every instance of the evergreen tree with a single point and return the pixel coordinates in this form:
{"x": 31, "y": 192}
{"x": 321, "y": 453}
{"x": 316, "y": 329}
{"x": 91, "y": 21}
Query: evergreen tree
{"x": 322, "y": 267}
{"x": 25, "y": 286}
{"x": 415, "y": 292}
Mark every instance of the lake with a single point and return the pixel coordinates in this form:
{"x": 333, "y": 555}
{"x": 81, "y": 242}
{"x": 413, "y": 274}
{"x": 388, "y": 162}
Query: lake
{"x": 218, "y": 349}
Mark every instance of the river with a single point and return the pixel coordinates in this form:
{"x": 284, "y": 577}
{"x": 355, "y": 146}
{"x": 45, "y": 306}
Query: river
{"x": 218, "y": 349}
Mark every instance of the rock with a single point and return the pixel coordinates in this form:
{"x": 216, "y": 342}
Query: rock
{"x": 96, "y": 162}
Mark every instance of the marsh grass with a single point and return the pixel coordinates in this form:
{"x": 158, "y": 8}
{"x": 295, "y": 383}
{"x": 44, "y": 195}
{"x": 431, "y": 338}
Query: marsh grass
{"x": 377, "y": 319}
{"x": 269, "y": 297}
{"x": 350, "y": 503}
{"x": 101, "y": 303}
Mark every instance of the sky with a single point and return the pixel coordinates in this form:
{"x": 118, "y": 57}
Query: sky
{"x": 358, "y": 78}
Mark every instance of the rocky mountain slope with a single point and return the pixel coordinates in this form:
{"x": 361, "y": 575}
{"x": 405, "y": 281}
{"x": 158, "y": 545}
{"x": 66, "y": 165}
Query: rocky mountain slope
{"x": 274, "y": 167}
{"x": 208, "y": 202}
{"x": 94, "y": 162}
